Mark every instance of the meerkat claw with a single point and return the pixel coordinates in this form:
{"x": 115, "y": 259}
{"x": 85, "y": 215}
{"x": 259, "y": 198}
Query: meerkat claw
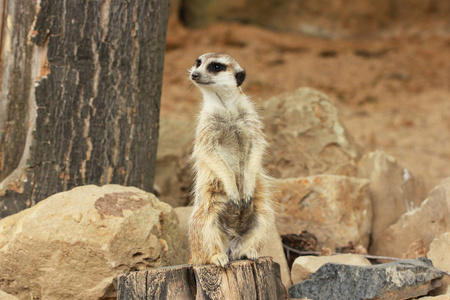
{"x": 235, "y": 203}
{"x": 251, "y": 254}
{"x": 220, "y": 260}
{"x": 247, "y": 202}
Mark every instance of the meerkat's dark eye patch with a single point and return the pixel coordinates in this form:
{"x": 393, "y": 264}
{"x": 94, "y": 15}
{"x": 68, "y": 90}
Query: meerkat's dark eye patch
{"x": 198, "y": 62}
{"x": 240, "y": 77}
{"x": 215, "y": 67}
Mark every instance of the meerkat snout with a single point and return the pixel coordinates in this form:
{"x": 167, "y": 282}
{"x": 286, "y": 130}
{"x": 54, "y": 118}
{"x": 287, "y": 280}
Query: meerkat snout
{"x": 195, "y": 76}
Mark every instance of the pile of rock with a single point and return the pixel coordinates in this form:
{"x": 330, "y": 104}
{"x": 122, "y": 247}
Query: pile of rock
{"x": 74, "y": 244}
{"x": 327, "y": 186}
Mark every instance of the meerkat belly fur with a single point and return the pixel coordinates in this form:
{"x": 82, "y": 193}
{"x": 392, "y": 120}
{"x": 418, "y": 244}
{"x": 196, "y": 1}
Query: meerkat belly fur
{"x": 232, "y": 208}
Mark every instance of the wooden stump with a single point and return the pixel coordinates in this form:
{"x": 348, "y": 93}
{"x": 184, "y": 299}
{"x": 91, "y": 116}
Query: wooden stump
{"x": 242, "y": 279}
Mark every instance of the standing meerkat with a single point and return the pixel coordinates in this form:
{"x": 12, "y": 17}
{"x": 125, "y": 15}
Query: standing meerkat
{"x": 233, "y": 207}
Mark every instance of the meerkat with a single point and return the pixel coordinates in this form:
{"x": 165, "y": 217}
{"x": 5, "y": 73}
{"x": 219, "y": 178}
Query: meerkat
{"x": 233, "y": 208}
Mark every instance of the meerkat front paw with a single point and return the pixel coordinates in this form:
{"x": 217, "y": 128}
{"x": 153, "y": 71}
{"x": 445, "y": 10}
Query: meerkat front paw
{"x": 220, "y": 259}
{"x": 249, "y": 188}
{"x": 235, "y": 201}
{"x": 247, "y": 201}
{"x": 251, "y": 254}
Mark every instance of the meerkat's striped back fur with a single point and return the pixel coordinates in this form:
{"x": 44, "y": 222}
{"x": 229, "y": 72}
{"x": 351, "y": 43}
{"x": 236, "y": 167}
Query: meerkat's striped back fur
{"x": 232, "y": 208}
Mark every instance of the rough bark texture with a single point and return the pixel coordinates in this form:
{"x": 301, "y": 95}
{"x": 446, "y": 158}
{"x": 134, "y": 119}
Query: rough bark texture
{"x": 240, "y": 280}
{"x": 83, "y": 97}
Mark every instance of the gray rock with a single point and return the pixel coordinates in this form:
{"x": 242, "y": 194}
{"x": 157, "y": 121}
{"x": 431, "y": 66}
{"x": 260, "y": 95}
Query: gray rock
{"x": 401, "y": 279}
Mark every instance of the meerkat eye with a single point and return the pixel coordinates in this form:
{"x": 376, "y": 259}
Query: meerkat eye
{"x": 216, "y": 67}
{"x": 198, "y": 62}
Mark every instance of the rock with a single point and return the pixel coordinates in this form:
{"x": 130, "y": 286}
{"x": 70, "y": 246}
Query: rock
{"x": 440, "y": 255}
{"x": 173, "y": 173}
{"x": 307, "y": 137}
{"x": 273, "y": 248}
{"x": 416, "y": 249}
{"x": 183, "y": 213}
{"x": 73, "y": 244}
{"x": 393, "y": 189}
{"x": 304, "y": 266}
{"x": 403, "y": 279}
{"x": 5, "y": 296}
{"x": 420, "y": 225}
{"x": 336, "y": 209}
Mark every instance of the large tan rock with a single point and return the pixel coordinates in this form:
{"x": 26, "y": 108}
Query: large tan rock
{"x": 73, "y": 244}
{"x": 421, "y": 225}
{"x": 307, "y": 137}
{"x": 304, "y": 266}
{"x": 273, "y": 247}
{"x": 336, "y": 209}
{"x": 440, "y": 256}
{"x": 393, "y": 189}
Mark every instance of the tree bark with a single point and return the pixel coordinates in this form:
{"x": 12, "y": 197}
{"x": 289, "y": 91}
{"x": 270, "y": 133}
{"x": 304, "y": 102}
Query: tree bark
{"x": 81, "y": 87}
{"x": 240, "y": 280}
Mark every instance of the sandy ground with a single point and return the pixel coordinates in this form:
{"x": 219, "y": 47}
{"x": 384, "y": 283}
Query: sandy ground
{"x": 393, "y": 92}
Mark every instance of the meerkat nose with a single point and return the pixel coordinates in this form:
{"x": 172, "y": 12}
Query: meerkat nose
{"x": 195, "y": 76}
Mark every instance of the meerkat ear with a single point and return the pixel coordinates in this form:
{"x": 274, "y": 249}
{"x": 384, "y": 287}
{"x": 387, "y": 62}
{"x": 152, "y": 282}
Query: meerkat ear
{"x": 240, "y": 77}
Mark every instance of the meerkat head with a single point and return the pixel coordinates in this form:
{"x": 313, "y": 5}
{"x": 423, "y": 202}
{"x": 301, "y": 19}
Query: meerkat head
{"x": 217, "y": 71}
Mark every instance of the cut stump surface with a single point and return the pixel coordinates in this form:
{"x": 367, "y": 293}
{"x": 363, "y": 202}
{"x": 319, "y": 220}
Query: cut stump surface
{"x": 242, "y": 279}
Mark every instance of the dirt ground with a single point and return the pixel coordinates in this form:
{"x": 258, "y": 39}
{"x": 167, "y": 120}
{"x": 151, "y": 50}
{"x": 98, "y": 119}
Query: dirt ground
{"x": 392, "y": 92}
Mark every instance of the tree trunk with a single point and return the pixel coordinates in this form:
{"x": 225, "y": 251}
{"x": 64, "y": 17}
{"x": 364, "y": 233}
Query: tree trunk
{"x": 80, "y": 98}
{"x": 242, "y": 279}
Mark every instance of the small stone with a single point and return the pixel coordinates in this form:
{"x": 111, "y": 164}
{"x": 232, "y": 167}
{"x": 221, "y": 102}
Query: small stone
{"x": 326, "y": 251}
{"x": 403, "y": 279}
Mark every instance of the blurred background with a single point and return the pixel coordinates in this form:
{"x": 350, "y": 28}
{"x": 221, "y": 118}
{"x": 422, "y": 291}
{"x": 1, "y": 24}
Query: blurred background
{"x": 384, "y": 64}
